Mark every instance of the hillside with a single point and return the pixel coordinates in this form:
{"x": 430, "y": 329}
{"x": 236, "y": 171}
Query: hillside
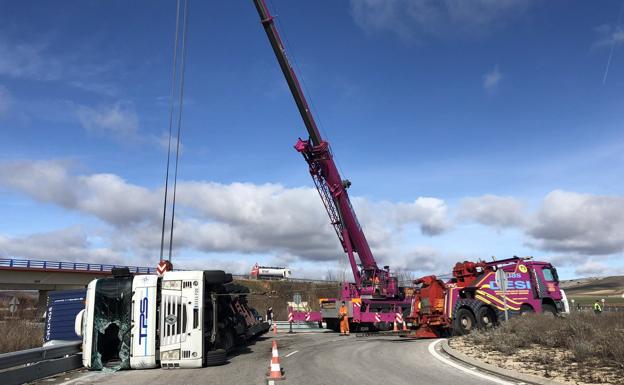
{"x": 278, "y": 293}
{"x": 587, "y": 290}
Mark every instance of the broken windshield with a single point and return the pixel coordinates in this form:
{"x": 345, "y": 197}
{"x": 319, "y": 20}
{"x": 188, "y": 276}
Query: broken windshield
{"x": 111, "y": 329}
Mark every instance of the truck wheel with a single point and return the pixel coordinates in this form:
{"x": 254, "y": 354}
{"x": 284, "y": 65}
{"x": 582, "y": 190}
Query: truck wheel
{"x": 216, "y": 357}
{"x": 226, "y": 340}
{"x": 464, "y": 322}
{"x": 216, "y": 277}
{"x": 549, "y": 309}
{"x": 486, "y": 318}
{"x": 526, "y": 309}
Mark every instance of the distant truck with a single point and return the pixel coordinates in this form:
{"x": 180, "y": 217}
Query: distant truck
{"x": 472, "y": 299}
{"x": 184, "y": 319}
{"x": 269, "y": 272}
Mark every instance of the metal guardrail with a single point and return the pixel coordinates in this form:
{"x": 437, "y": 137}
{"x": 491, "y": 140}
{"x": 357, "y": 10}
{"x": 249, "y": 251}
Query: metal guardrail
{"x": 69, "y": 266}
{"x": 32, "y": 364}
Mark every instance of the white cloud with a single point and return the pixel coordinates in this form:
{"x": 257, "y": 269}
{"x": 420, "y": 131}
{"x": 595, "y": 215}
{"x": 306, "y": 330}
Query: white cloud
{"x": 217, "y": 218}
{"x": 289, "y": 224}
{"x": 24, "y": 60}
{"x": 495, "y": 211}
{"x": 5, "y": 100}
{"x": 105, "y": 196}
{"x": 592, "y": 268}
{"x": 609, "y": 35}
{"x": 69, "y": 244}
{"x": 492, "y": 79}
{"x": 42, "y": 61}
{"x": 580, "y": 223}
{"x": 567, "y": 222}
{"x": 118, "y": 120}
{"x": 414, "y": 18}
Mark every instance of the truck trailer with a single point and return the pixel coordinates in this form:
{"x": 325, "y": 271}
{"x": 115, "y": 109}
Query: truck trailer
{"x": 184, "y": 319}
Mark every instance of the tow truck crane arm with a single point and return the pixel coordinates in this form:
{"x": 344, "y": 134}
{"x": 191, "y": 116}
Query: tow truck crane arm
{"x": 332, "y": 189}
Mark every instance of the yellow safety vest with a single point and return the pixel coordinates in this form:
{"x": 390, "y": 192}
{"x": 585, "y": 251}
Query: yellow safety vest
{"x": 597, "y": 307}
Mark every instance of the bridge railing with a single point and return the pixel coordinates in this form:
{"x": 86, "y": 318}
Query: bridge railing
{"x": 97, "y": 267}
{"x": 69, "y": 266}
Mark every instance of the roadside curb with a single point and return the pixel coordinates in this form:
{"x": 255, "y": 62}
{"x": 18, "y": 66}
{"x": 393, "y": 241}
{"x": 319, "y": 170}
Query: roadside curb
{"x": 529, "y": 378}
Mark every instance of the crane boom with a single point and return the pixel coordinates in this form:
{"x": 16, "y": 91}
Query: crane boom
{"x": 332, "y": 189}
{"x": 291, "y": 78}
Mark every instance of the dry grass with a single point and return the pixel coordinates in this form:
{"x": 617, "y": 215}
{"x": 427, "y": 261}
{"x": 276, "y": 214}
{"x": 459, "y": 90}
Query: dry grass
{"x": 587, "y": 343}
{"x": 20, "y": 334}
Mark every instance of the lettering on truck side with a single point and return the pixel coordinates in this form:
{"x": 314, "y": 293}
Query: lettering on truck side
{"x": 143, "y": 319}
{"x": 511, "y": 285}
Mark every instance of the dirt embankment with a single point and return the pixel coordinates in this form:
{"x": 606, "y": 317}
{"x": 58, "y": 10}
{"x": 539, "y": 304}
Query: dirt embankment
{"x": 580, "y": 349}
{"x": 278, "y": 293}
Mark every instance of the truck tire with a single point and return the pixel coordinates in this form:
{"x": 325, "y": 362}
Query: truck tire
{"x": 486, "y": 317}
{"x": 215, "y": 357}
{"x": 216, "y": 277}
{"x": 549, "y": 309}
{"x": 464, "y": 322}
{"x": 526, "y": 309}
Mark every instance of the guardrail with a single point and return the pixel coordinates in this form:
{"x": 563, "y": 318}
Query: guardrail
{"x": 32, "y": 364}
{"x": 68, "y": 266}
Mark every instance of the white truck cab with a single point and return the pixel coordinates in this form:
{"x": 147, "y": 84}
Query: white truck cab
{"x": 181, "y": 319}
{"x": 146, "y": 321}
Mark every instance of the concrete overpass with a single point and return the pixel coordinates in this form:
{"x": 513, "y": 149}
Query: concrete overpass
{"x": 44, "y": 276}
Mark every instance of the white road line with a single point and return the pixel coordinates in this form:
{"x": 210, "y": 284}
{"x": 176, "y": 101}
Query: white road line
{"x": 464, "y": 369}
{"x": 290, "y": 354}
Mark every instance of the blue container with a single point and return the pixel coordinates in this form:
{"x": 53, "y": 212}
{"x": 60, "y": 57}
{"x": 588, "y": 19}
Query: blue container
{"x": 63, "y": 307}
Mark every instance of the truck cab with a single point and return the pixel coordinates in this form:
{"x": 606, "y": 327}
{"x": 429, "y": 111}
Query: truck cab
{"x": 184, "y": 319}
{"x": 474, "y": 298}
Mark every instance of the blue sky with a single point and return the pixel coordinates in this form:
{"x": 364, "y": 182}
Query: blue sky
{"x": 468, "y": 129}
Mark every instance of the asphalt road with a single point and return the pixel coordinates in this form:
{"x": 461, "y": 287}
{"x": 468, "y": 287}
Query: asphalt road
{"x": 310, "y": 358}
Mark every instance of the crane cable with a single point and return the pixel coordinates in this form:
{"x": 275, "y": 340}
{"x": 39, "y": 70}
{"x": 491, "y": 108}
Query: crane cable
{"x": 175, "y": 85}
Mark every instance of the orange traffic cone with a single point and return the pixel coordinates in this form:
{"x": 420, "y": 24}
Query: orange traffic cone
{"x": 404, "y": 326}
{"x": 274, "y": 329}
{"x": 275, "y": 371}
{"x": 396, "y": 329}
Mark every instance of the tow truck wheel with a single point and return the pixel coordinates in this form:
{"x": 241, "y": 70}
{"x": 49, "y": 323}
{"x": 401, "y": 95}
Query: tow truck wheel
{"x": 526, "y": 309}
{"x": 464, "y": 322}
{"x": 486, "y": 318}
{"x": 549, "y": 309}
{"x": 216, "y": 357}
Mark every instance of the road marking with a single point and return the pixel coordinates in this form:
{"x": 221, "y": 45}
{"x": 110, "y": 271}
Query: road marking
{"x": 290, "y": 354}
{"x": 437, "y": 355}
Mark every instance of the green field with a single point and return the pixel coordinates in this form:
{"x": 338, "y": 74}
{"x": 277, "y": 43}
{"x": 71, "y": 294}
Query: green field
{"x": 589, "y": 300}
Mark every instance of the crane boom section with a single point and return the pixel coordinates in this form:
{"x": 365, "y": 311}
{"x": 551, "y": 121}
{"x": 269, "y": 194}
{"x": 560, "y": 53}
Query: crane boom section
{"x": 323, "y": 169}
{"x": 293, "y": 83}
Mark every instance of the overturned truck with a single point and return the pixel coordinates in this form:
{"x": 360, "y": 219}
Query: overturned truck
{"x": 184, "y": 319}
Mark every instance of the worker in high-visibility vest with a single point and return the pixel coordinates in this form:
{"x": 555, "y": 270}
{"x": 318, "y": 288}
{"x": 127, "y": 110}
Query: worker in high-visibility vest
{"x": 344, "y": 319}
{"x": 597, "y": 307}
